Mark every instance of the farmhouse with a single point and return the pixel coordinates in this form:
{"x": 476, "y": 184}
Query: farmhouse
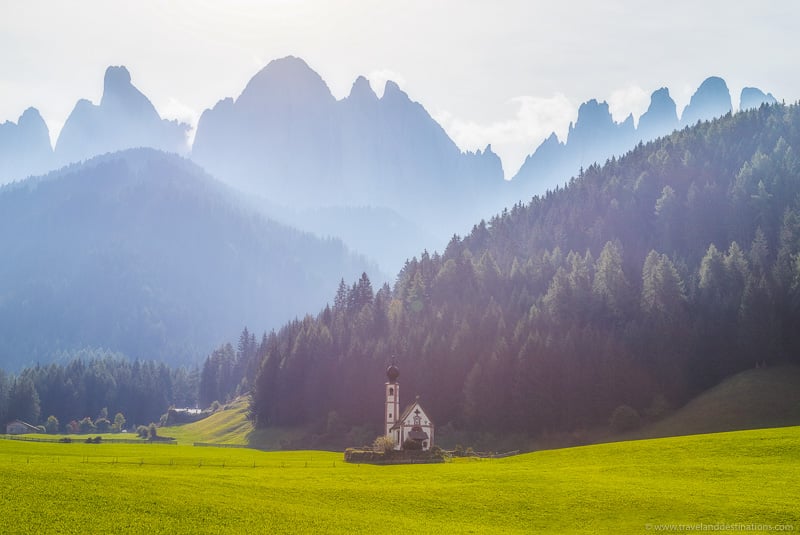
{"x": 18, "y": 427}
{"x": 412, "y": 424}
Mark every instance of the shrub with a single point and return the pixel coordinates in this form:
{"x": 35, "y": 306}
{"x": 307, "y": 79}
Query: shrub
{"x": 625, "y": 418}
{"x": 142, "y": 431}
{"x": 52, "y": 425}
{"x": 437, "y": 452}
{"x": 152, "y": 431}
{"x": 119, "y": 423}
{"x": 383, "y": 444}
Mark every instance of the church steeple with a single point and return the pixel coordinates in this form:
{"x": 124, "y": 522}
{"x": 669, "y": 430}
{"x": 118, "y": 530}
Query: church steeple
{"x": 392, "y": 409}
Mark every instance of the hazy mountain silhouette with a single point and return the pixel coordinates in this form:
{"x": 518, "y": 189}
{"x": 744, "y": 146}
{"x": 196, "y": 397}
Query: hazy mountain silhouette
{"x": 752, "y": 97}
{"x": 595, "y": 137}
{"x": 24, "y": 147}
{"x": 712, "y": 99}
{"x": 311, "y": 160}
{"x": 288, "y": 139}
{"x": 142, "y": 252}
{"x": 124, "y": 119}
{"x": 661, "y": 116}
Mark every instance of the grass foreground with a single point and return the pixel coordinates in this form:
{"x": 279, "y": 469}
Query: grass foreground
{"x": 744, "y": 478}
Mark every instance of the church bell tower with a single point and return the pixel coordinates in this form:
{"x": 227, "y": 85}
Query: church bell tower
{"x": 392, "y": 410}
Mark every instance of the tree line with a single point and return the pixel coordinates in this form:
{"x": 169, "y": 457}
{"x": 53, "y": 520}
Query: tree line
{"x": 642, "y": 282}
{"x": 95, "y": 392}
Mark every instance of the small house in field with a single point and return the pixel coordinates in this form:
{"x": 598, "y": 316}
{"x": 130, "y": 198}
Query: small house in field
{"x": 413, "y": 424}
{"x": 18, "y": 427}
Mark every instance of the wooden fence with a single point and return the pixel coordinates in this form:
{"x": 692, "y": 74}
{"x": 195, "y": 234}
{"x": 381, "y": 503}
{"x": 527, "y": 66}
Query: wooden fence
{"x": 81, "y": 440}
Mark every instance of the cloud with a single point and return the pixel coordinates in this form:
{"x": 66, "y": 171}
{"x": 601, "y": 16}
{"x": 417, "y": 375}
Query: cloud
{"x": 515, "y": 138}
{"x": 175, "y": 109}
{"x": 630, "y": 100}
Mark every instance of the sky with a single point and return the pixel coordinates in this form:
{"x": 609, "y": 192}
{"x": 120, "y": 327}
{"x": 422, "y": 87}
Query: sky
{"x": 505, "y": 72}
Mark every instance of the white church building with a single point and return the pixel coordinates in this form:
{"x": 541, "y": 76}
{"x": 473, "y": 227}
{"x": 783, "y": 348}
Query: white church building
{"x": 412, "y": 424}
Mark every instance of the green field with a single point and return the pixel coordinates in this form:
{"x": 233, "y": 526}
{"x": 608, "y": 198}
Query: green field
{"x": 745, "y": 478}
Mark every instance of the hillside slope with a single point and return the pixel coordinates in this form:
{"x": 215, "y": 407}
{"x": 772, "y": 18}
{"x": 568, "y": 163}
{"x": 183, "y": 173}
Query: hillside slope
{"x": 231, "y": 425}
{"x": 757, "y": 398}
{"x": 654, "y": 276}
{"x": 142, "y": 252}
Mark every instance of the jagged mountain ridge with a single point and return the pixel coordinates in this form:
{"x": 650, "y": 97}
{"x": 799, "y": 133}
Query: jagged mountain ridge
{"x": 125, "y": 118}
{"x": 144, "y": 253}
{"x": 24, "y": 147}
{"x": 287, "y": 138}
{"x": 289, "y": 142}
{"x": 596, "y": 137}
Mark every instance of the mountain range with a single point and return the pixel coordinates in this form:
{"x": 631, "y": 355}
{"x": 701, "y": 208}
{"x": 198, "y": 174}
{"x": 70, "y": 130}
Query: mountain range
{"x": 311, "y": 160}
{"x": 595, "y": 136}
{"x": 288, "y": 140}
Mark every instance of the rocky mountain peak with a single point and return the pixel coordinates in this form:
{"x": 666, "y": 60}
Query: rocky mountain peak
{"x": 712, "y": 99}
{"x": 752, "y": 97}
{"x": 362, "y": 91}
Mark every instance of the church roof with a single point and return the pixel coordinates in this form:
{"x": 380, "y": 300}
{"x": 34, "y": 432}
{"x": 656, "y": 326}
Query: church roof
{"x": 407, "y": 411}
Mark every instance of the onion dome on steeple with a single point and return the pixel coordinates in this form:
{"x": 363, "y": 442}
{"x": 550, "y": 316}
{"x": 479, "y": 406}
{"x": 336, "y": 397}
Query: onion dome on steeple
{"x": 392, "y": 372}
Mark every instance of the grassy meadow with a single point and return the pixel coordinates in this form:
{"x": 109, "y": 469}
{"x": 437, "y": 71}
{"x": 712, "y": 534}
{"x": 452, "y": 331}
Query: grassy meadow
{"x": 231, "y": 426}
{"x": 744, "y": 477}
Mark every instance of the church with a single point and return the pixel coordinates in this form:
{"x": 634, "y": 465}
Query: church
{"x": 412, "y": 424}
